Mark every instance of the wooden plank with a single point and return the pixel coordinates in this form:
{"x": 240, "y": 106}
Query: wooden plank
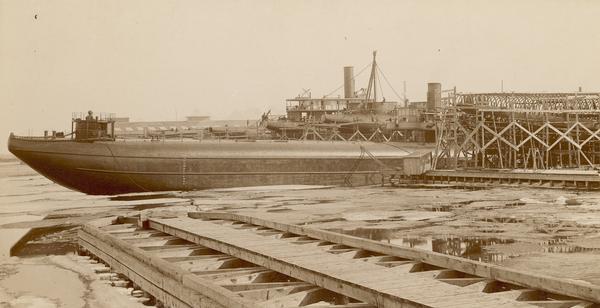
{"x": 290, "y": 300}
{"x": 137, "y": 234}
{"x": 262, "y": 285}
{"x": 192, "y": 258}
{"x": 248, "y": 278}
{"x": 120, "y": 263}
{"x": 151, "y": 240}
{"x": 521, "y": 294}
{"x": 216, "y": 275}
{"x": 181, "y": 252}
{"x": 461, "y": 281}
{"x": 161, "y": 248}
{"x": 206, "y": 264}
{"x": 351, "y": 305}
{"x": 180, "y": 283}
{"x": 349, "y": 277}
{"x": 116, "y": 227}
{"x": 272, "y": 293}
{"x": 555, "y": 303}
{"x": 535, "y": 281}
{"x": 515, "y": 175}
{"x": 263, "y": 260}
{"x": 230, "y": 270}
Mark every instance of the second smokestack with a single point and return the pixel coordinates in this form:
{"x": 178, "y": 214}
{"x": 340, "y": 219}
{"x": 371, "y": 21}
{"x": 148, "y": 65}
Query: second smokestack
{"x": 349, "y": 81}
{"x": 434, "y": 96}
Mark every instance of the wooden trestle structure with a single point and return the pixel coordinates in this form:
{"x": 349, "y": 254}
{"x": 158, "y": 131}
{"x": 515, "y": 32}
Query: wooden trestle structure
{"x": 224, "y": 260}
{"x": 518, "y": 130}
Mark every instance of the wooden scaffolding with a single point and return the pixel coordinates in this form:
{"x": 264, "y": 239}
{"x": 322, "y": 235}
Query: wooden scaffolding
{"x": 518, "y": 131}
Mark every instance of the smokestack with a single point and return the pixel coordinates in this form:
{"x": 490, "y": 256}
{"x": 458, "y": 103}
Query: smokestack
{"x": 434, "y": 96}
{"x": 349, "y": 81}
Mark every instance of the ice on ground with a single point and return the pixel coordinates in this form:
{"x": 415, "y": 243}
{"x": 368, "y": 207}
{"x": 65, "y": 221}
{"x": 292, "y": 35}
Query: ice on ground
{"x": 530, "y": 200}
{"x": 46, "y": 281}
{"x": 404, "y": 215}
{"x": 31, "y": 301}
{"x": 270, "y": 188}
{"x": 584, "y": 218}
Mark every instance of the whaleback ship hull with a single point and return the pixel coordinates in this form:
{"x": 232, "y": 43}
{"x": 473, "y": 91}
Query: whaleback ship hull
{"x": 115, "y": 167}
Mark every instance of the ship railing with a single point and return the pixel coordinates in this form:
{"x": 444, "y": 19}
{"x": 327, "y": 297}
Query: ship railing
{"x": 100, "y": 116}
{"x": 58, "y": 137}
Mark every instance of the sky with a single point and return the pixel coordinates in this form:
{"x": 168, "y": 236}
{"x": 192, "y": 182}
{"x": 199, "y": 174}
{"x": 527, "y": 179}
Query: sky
{"x": 163, "y": 60}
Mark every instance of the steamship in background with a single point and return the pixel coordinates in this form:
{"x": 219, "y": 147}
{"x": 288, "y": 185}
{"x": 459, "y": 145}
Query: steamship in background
{"x": 359, "y": 115}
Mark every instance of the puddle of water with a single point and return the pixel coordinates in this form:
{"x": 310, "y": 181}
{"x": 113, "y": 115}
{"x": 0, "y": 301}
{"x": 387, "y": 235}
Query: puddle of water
{"x": 399, "y": 215}
{"x": 141, "y": 197}
{"x": 563, "y": 244}
{"x": 47, "y": 249}
{"x": 504, "y": 220}
{"x": 326, "y": 221}
{"x": 376, "y": 234}
{"x": 515, "y": 204}
{"x": 61, "y": 216}
{"x": 199, "y": 196}
{"x": 555, "y": 245}
{"x": 483, "y": 249}
{"x": 565, "y": 248}
{"x": 467, "y": 247}
{"x": 265, "y": 197}
{"x": 491, "y": 231}
{"x": 270, "y": 188}
{"x": 324, "y": 201}
{"x": 439, "y": 208}
{"x": 389, "y": 219}
{"x": 47, "y": 241}
{"x": 279, "y": 210}
{"x": 222, "y": 208}
{"x": 148, "y": 206}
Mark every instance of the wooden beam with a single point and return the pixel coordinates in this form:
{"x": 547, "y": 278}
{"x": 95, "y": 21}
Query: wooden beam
{"x": 535, "y": 281}
{"x": 237, "y": 287}
{"x": 166, "y": 282}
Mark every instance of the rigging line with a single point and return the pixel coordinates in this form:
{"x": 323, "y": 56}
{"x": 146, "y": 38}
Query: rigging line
{"x": 379, "y": 83}
{"x": 337, "y": 89}
{"x": 375, "y": 159}
{"x": 119, "y": 166}
{"x": 389, "y": 84}
{"x": 348, "y": 177}
{"x": 355, "y": 75}
{"x": 398, "y": 147}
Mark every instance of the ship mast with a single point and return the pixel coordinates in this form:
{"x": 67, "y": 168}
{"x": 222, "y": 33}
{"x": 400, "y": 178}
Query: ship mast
{"x": 372, "y": 87}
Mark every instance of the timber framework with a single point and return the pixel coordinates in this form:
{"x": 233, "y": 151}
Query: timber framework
{"x": 518, "y": 131}
{"x": 236, "y": 261}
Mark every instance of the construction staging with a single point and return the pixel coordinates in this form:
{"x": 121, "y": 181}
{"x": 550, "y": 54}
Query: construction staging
{"x": 476, "y": 139}
{"x": 229, "y": 260}
{"x": 519, "y": 131}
